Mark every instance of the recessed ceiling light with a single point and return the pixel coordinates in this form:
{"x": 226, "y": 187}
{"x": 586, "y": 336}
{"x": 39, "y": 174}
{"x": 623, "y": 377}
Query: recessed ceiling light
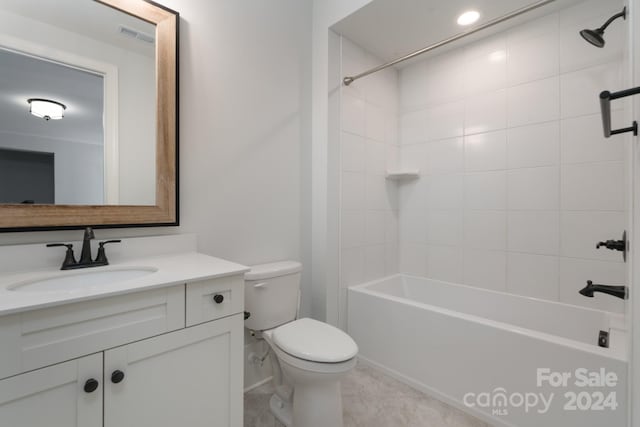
{"x": 468, "y": 18}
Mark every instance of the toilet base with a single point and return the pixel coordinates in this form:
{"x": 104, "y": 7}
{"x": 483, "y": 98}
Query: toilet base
{"x": 314, "y": 398}
{"x": 317, "y": 404}
{"x": 281, "y": 409}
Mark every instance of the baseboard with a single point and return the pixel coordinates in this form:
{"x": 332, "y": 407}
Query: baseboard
{"x": 258, "y": 384}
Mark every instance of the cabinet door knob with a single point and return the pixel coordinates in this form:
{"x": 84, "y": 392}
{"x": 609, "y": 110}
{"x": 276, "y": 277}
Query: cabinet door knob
{"x": 117, "y": 376}
{"x": 91, "y": 385}
{"x": 218, "y": 298}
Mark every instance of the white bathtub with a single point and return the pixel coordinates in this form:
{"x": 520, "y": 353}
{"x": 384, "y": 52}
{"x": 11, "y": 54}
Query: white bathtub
{"x": 474, "y": 348}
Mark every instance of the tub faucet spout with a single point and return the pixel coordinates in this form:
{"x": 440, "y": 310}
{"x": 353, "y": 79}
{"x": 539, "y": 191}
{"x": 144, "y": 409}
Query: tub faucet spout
{"x": 617, "y": 291}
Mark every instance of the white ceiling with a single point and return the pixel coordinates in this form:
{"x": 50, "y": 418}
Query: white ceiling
{"x": 88, "y": 18}
{"x": 392, "y": 28}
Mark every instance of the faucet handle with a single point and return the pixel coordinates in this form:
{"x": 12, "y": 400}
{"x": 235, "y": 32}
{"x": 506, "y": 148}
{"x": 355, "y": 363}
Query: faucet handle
{"x": 101, "y": 258}
{"x": 109, "y": 241}
{"x": 69, "y": 259}
{"x": 53, "y": 245}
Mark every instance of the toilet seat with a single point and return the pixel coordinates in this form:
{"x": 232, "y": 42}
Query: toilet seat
{"x": 317, "y": 368}
{"x": 314, "y": 341}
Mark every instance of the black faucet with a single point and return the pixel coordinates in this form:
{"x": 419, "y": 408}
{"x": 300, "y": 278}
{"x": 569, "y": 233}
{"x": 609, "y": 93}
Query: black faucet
{"x": 617, "y": 291}
{"x": 70, "y": 262}
{"x": 85, "y": 255}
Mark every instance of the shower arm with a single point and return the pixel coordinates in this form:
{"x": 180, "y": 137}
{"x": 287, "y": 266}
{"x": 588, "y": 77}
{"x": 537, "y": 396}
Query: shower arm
{"x": 350, "y": 79}
{"x": 622, "y": 14}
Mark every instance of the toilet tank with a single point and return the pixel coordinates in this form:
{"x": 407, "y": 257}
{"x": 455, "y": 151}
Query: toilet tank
{"x": 272, "y": 294}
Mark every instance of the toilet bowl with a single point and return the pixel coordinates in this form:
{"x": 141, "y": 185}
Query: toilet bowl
{"x": 314, "y": 376}
{"x": 309, "y": 357}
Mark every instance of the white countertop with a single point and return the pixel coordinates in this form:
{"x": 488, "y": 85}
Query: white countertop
{"x": 172, "y": 269}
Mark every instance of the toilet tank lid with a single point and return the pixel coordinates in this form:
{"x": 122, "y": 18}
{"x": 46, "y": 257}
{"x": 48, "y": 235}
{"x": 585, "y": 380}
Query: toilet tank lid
{"x": 274, "y": 269}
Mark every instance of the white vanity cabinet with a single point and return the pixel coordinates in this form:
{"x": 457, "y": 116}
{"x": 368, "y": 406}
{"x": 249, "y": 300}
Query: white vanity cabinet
{"x": 54, "y": 396}
{"x": 130, "y": 360}
{"x": 186, "y": 378}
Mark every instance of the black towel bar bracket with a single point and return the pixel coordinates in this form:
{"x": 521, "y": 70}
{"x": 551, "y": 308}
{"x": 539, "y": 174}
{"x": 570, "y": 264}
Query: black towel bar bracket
{"x": 605, "y": 106}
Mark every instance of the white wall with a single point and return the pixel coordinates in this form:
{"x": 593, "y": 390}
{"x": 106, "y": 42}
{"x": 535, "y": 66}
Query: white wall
{"x": 241, "y": 143}
{"x": 243, "y": 105}
{"x": 518, "y": 183}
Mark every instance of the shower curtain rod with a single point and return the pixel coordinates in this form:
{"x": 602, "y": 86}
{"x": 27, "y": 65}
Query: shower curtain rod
{"x": 350, "y": 79}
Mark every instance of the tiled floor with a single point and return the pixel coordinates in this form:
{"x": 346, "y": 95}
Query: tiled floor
{"x": 371, "y": 399}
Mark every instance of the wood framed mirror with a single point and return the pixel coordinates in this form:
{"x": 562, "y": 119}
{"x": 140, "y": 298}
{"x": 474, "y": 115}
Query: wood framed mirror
{"x": 130, "y": 156}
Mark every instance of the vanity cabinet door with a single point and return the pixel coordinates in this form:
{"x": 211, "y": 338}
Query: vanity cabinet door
{"x": 192, "y": 377}
{"x": 54, "y": 396}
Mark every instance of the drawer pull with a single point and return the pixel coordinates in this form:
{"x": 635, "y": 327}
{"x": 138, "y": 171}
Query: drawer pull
{"x": 117, "y": 376}
{"x": 218, "y": 298}
{"x": 91, "y": 385}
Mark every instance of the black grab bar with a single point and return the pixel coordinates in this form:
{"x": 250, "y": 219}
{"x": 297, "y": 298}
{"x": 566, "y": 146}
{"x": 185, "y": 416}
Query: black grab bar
{"x": 605, "y": 106}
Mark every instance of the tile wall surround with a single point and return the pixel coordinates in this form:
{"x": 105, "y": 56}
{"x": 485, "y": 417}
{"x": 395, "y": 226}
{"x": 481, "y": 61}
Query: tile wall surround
{"x": 368, "y": 146}
{"x": 517, "y": 183}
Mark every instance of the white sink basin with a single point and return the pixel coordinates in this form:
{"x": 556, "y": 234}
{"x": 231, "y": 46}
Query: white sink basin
{"x": 82, "y": 280}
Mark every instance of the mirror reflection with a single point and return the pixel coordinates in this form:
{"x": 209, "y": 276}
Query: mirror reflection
{"x": 77, "y": 104}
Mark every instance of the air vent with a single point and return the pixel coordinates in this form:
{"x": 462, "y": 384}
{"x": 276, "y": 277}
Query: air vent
{"x": 146, "y": 38}
{"x": 130, "y": 32}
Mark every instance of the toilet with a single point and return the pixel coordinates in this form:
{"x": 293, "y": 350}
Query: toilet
{"x": 308, "y": 357}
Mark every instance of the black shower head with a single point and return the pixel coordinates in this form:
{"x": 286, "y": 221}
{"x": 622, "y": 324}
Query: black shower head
{"x": 595, "y": 37}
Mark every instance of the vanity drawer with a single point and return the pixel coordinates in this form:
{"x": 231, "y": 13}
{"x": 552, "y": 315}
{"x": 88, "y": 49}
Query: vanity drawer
{"x": 39, "y": 338}
{"x": 214, "y": 298}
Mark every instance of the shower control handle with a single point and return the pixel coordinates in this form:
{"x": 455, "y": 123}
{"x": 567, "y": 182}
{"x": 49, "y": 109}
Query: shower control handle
{"x": 616, "y": 245}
